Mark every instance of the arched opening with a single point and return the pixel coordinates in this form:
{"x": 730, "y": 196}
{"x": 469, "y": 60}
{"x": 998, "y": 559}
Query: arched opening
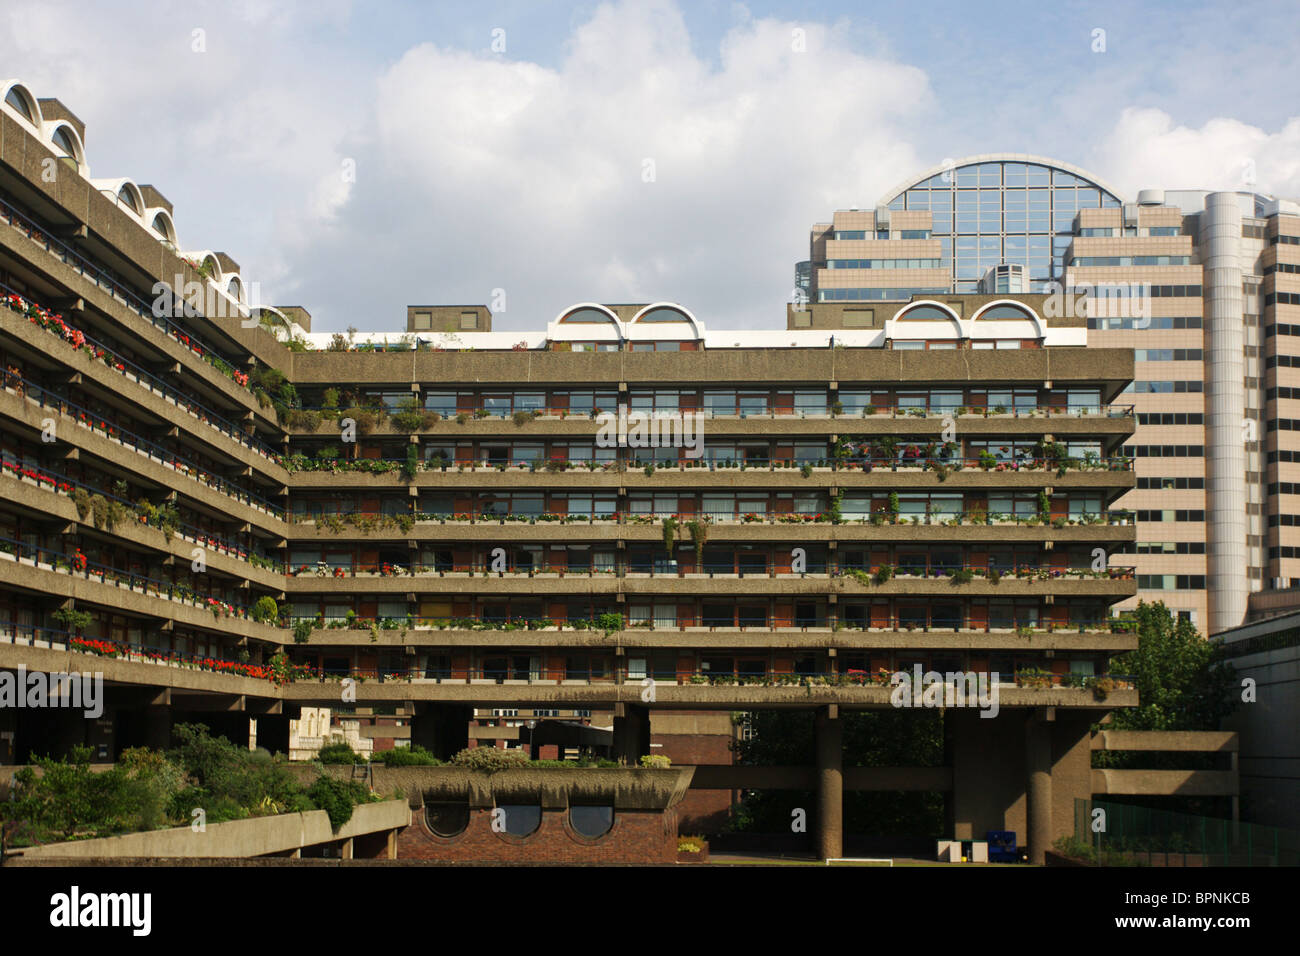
{"x": 162, "y": 224}
{"x": 64, "y": 139}
{"x": 18, "y": 99}
{"x": 130, "y": 198}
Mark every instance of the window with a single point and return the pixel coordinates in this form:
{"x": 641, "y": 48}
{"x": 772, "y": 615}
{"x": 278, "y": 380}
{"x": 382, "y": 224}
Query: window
{"x": 128, "y": 198}
{"x": 591, "y": 822}
{"x": 18, "y": 101}
{"x": 423, "y": 321}
{"x": 521, "y": 819}
{"x": 468, "y": 321}
{"x": 64, "y": 140}
{"x": 446, "y": 819}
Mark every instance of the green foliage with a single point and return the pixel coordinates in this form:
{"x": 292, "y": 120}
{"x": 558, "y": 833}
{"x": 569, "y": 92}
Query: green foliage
{"x": 228, "y": 782}
{"x": 490, "y": 759}
{"x": 655, "y": 762}
{"x": 302, "y": 631}
{"x": 412, "y": 756}
{"x": 337, "y": 798}
{"x": 68, "y": 799}
{"x": 670, "y": 534}
{"x": 411, "y": 466}
{"x": 73, "y": 620}
{"x": 1180, "y": 682}
{"x": 265, "y": 610}
{"x": 339, "y": 752}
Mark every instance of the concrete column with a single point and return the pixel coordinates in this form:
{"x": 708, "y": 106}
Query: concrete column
{"x": 1038, "y": 763}
{"x": 829, "y": 733}
{"x": 1225, "y": 407}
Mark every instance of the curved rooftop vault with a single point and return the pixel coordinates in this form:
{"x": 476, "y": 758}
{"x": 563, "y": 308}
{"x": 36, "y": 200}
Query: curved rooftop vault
{"x": 1000, "y": 158}
{"x": 999, "y": 208}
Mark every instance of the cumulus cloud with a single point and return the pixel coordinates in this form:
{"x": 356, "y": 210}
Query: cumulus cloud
{"x": 1148, "y": 148}
{"x": 632, "y": 170}
{"x": 352, "y": 165}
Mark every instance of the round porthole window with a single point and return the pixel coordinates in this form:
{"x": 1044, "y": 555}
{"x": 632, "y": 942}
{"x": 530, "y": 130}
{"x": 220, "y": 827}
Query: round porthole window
{"x": 521, "y": 819}
{"x": 446, "y": 819}
{"x": 591, "y": 822}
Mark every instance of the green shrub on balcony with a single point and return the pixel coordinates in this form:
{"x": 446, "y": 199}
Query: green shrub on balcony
{"x": 265, "y": 610}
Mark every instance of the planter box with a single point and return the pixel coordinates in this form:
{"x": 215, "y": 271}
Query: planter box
{"x": 684, "y": 856}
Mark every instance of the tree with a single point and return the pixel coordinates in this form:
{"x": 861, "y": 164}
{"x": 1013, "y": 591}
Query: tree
{"x": 1181, "y": 684}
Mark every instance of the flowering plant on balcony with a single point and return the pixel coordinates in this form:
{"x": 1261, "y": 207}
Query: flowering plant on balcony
{"x": 79, "y": 561}
{"x": 339, "y": 572}
{"x": 391, "y": 570}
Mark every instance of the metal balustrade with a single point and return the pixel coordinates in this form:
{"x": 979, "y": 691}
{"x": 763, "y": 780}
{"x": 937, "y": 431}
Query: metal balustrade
{"x": 157, "y": 386}
{"x": 63, "y": 484}
{"x": 46, "y": 398}
{"x": 104, "y": 279}
{"x": 78, "y": 565}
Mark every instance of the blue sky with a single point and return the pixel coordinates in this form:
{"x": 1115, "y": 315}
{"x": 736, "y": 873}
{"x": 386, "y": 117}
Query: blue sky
{"x": 525, "y": 169}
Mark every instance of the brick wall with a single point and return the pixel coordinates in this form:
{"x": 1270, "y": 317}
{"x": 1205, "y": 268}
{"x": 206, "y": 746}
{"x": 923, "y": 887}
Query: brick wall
{"x": 701, "y": 811}
{"x": 638, "y": 836}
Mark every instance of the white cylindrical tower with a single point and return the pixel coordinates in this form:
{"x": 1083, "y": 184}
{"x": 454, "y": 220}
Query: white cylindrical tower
{"x": 1225, "y": 406}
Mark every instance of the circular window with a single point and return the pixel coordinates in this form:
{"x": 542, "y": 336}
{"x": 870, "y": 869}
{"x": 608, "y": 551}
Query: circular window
{"x": 591, "y": 822}
{"x": 521, "y": 819}
{"x": 446, "y": 819}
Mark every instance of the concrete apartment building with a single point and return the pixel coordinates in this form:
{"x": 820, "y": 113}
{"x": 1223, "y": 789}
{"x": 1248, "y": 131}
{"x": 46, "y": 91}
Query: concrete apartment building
{"x": 1217, "y": 276}
{"x": 855, "y": 506}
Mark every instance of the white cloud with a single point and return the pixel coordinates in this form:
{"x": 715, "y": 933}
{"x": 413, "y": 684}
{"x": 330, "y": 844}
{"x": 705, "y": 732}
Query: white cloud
{"x": 476, "y": 171}
{"x": 1148, "y": 149}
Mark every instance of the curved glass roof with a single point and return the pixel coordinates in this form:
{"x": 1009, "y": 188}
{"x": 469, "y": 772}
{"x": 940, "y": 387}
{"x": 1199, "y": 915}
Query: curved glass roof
{"x": 990, "y": 212}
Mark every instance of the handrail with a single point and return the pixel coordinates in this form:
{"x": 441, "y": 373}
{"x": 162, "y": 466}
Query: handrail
{"x": 104, "y": 280}
{"x": 482, "y": 567}
{"x": 145, "y": 379}
{"x": 77, "y": 564}
{"x": 64, "y": 484}
{"x": 1105, "y": 410}
{"x": 151, "y": 449}
{"x": 100, "y": 647}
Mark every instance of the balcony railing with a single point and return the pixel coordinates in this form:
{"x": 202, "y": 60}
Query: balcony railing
{"x": 103, "y": 279}
{"x": 297, "y": 463}
{"x": 61, "y": 640}
{"x": 63, "y": 484}
{"x": 44, "y": 398}
{"x": 951, "y": 519}
{"x": 77, "y": 565}
{"x": 48, "y": 320}
{"x": 810, "y": 412}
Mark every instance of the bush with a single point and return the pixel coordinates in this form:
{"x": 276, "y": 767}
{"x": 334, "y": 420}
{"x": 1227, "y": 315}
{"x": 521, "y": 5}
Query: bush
{"x": 265, "y": 610}
{"x": 656, "y": 762}
{"x": 339, "y": 752}
{"x": 490, "y": 759}
{"x": 337, "y": 798}
{"x": 413, "y": 756}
